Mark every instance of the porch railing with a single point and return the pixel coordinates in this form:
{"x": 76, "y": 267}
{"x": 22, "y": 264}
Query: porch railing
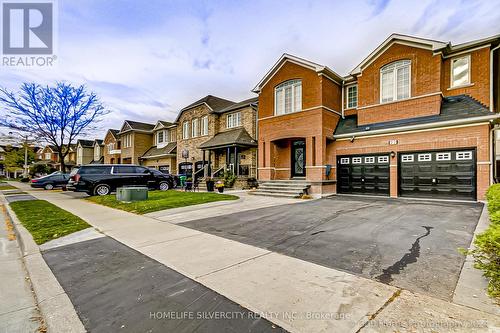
{"x": 218, "y": 170}
{"x": 202, "y": 169}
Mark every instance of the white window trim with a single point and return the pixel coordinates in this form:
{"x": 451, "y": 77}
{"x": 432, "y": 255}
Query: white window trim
{"x": 395, "y": 83}
{"x": 407, "y": 158}
{"x": 370, "y": 159}
{"x": 383, "y": 159}
{"x": 467, "y": 155}
{"x": 443, "y": 156}
{"x": 204, "y": 130}
{"x": 230, "y": 122}
{"x": 195, "y": 129}
{"x": 423, "y": 157}
{"x": 185, "y": 130}
{"x": 344, "y": 160}
{"x": 468, "y": 83}
{"x": 282, "y": 86}
{"x": 357, "y": 160}
{"x": 48, "y": 156}
{"x": 347, "y": 96}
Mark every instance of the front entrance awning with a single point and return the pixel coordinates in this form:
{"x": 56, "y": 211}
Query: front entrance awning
{"x": 232, "y": 138}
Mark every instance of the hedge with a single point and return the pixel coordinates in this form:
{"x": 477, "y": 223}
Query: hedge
{"x": 487, "y": 252}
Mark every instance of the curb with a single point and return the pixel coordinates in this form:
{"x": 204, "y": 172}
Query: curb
{"x": 53, "y": 302}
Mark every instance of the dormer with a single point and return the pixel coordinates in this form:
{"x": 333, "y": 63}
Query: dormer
{"x": 164, "y": 133}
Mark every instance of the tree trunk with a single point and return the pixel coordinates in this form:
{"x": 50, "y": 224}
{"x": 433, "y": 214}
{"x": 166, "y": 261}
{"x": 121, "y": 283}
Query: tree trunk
{"x": 61, "y": 161}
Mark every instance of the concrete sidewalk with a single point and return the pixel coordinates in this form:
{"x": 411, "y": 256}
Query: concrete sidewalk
{"x": 18, "y": 309}
{"x": 297, "y": 295}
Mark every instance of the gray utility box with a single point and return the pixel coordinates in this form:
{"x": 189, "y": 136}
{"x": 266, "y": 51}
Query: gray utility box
{"x": 132, "y": 193}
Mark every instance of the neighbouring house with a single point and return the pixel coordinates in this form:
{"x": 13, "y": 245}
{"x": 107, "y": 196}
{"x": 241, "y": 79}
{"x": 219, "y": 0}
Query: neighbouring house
{"x": 112, "y": 147}
{"x": 162, "y": 155}
{"x": 136, "y": 138}
{"x": 215, "y": 135}
{"x": 98, "y": 151}
{"x": 49, "y": 155}
{"x": 413, "y": 119}
{"x": 84, "y": 152}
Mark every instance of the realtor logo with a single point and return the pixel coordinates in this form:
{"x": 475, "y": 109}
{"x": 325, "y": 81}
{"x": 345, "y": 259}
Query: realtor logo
{"x": 27, "y": 28}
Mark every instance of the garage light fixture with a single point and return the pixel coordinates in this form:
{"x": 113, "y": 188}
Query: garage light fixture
{"x": 393, "y": 154}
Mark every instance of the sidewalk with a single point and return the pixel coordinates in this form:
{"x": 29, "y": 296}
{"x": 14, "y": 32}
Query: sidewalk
{"x": 18, "y": 310}
{"x": 296, "y": 295}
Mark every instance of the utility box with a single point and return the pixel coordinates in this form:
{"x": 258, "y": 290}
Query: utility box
{"x": 132, "y": 193}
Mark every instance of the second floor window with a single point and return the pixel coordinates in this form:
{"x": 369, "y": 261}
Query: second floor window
{"x": 460, "y": 71}
{"x": 352, "y": 96}
{"x": 47, "y": 156}
{"x": 395, "y": 81}
{"x": 195, "y": 127}
{"x": 111, "y": 146}
{"x": 159, "y": 137}
{"x": 185, "y": 130}
{"x": 204, "y": 125}
{"x": 288, "y": 97}
{"x": 233, "y": 120}
{"x": 127, "y": 141}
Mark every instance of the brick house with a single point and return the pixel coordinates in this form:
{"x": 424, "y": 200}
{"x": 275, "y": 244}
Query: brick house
{"x": 112, "y": 147}
{"x": 219, "y": 134}
{"x": 49, "y": 155}
{"x": 413, "y": 119}
{"x": 84, "y": 151}
{"x": 162, "y": 155}
{"x": 136, "y": 138}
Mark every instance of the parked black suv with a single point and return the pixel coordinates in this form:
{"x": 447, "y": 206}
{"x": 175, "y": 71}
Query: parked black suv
{"x": 102, "y": 179}
{"x": 56, "y": 179}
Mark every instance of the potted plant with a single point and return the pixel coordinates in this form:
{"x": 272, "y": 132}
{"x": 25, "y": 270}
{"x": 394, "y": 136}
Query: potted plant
{"x": 189, "y": 184}
{"x": 220, "y": 186}
{"x": 210, "y": 184}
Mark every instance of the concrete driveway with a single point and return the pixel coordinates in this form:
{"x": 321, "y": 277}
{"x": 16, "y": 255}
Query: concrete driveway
{"x": 409, "y": 244}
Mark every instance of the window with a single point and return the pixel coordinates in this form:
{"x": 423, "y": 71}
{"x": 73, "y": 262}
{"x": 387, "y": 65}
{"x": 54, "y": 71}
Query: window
{"x": 443, "y": 156}
{"x": 159, "y": 137}
{"x": 352, "y": 96}
{"x": 95, "y": 170}
{"x": 356, "y": 160}
{"x": 233, "y": 120}
{"x": 344, "y": 160}
{"x": 111, "y": 146}
{"x": 97, "y": 152}
{"x": 464, "y": 155}
{"x": 424, "y": 157}
{"x": 288, "y": 97}
{"x": 370, "y": 159}
{"x": 204, "y": 125}
{"x": 407, "y": 158}
{"x": 195, "y": 127}
{"x": 124, "y": 169}
{"x": 47, "y": 156}
{"x": 395, "y": 81}
{"x": 127, "y": 141}
{"x": 383, "y": 159}
{"x": 460, "y": 71}
{"x": 185, "y": 130}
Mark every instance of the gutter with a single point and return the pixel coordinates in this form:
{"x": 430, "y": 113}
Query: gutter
{"x": 491, "y": 76}
{"x": 420, "y": 126}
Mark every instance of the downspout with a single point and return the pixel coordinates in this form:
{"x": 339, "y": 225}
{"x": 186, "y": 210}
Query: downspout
{"x": 256, "y": 139}
{"x": 343, "y": 92}
{"x": 492, "y": 109}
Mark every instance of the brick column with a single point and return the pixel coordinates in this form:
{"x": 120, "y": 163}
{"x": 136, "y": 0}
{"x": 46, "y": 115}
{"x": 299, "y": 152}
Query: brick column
{"x": 393, "y": 177}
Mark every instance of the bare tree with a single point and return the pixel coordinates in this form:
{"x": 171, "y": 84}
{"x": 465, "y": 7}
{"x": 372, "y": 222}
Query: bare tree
{"x": 56, "y": 115}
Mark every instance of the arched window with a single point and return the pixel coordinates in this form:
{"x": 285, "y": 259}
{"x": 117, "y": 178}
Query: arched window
{"x": 395, "y": 81}
{"x": 288, "y": 97}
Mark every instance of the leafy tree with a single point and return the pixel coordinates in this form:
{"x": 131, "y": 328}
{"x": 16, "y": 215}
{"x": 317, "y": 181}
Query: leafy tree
{"x": 14, "y": 158}
{"x": 56, "y": 115}
{"x": 39, "y": 169}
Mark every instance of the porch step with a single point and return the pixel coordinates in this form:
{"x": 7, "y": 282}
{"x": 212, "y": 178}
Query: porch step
{"x": 282, "y": 188}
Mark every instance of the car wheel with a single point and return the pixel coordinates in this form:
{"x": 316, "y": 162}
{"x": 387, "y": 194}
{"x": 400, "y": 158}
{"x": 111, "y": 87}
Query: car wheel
{"x": 174, "y": 183}
{"x": 48, "y": 187}
{"x": 164, "y": 186}
{"x": 102, "y": 189}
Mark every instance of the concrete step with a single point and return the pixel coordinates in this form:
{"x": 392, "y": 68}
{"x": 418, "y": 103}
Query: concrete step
{"x": 286, "y": 182}
{"x": 283, "y": 187}
{"x": 274, "y": 194}
{"x": 284, "y": 191}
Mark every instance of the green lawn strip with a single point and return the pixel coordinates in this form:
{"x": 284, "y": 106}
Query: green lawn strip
{"x": 46, "y": 221}
{"x": 7, "y": 187}
{"x": 160, "y": 200}
{"x": 15, "y": 193}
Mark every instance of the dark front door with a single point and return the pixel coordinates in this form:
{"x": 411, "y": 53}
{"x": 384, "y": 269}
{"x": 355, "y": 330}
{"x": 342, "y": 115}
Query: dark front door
{"x": 299, "y": 158}
{"x": 367, "y": 174}
{"x": 438, "y": 174}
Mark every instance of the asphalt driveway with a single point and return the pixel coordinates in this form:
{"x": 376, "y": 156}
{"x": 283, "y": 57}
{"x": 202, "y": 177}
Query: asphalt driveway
{"x": 409, "y": 244}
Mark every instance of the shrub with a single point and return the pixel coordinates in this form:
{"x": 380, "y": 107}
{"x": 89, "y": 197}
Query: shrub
{"x": 25, "y": 180}
{"x": 229, "y": 179}
{"x": 487, "y": 252}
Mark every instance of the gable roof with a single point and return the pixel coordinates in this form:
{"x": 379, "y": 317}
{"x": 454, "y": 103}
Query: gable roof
{"x": 214, "y": 103}
{"x": 236, "y": 137}
{"x": 320, "y": 69}
{"x": 162, "y": 124}
{"x": 429, "y": 44}
{"x": 99, "y": 142}
{"x": 247, "y": 102}
{"x": 85, "y": 143}
{"x": 156, "y": 152}
{"x": 130, "y": 125}
{"x": 461, "y": 108}
{"x": 113, "y": 132}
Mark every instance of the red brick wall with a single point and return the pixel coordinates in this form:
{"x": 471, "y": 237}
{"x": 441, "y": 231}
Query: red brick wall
{"x": 480, "y": 77}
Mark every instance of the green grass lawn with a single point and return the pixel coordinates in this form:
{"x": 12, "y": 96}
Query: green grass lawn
{"x": 5, "y": 186}
{"x": 160, "y": 200}
{"x": 46, "y": 221}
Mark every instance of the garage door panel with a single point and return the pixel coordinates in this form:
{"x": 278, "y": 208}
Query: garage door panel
{"x": 438, "y": 174}
{"x": 369, "y": 175}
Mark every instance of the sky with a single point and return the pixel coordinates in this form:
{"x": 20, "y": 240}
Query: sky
{"x": 148, "y": 59}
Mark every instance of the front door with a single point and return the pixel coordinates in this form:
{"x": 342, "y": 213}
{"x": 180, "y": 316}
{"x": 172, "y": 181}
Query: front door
{"x": 299, "y": 158}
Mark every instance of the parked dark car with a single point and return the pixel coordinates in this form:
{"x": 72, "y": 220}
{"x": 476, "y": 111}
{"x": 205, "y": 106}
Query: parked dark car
{"x": 49, "y": 182}
{"x": 102, "y": 179}
{"x": 175, "y": 178}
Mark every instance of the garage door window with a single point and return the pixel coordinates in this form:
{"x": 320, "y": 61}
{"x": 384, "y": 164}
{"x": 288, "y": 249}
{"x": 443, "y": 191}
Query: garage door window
{"x": 407, "y": 158}
{"x": 424, "y": 157}
{"x": 443, "y": 156}
{"x": 356, "y": 160}
{"x": 383, "y": 159}
{"x": 464, "y": 155}
{"x": 370, "y": 159}
{"x": 344, "y": 160}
